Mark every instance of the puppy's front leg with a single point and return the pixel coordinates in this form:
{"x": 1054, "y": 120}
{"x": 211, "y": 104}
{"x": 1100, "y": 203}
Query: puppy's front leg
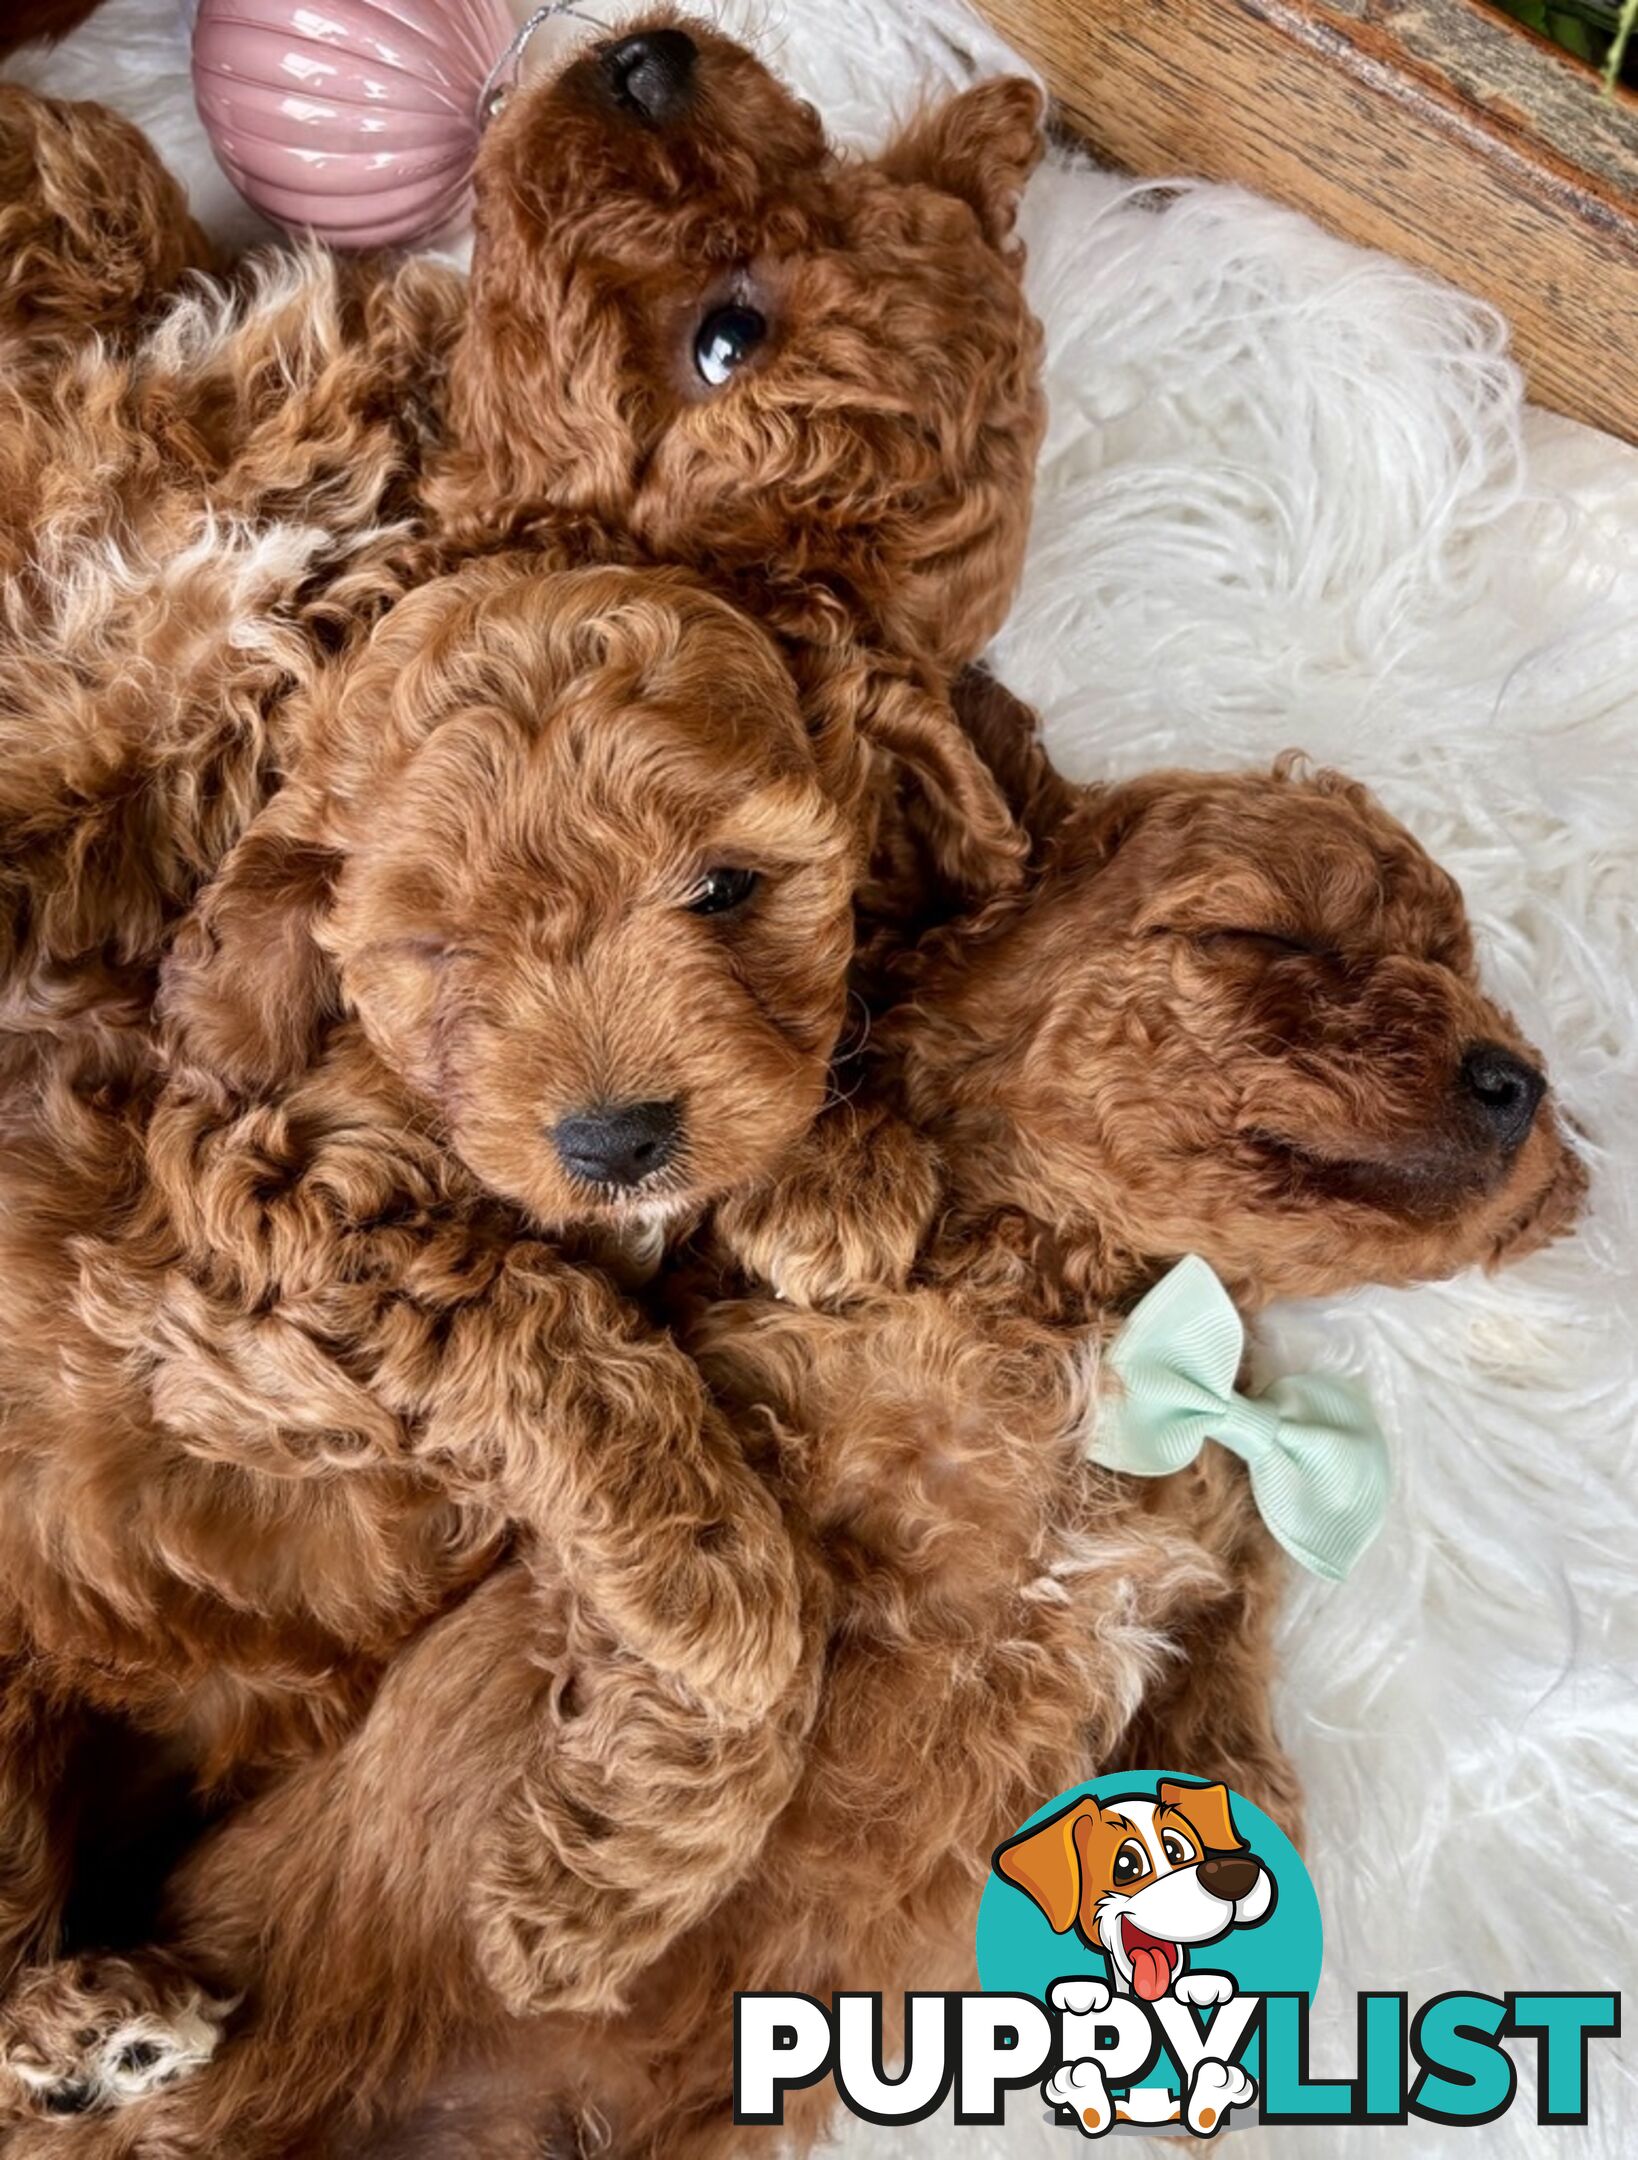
{"x": 372, "y": 1317}
{"x": 552, "y": 1401}
{"x": 846, "y": 1213}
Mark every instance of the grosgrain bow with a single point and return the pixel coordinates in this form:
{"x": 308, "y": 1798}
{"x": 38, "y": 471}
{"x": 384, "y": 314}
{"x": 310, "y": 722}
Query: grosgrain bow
{"x": 1318, "y": 1462}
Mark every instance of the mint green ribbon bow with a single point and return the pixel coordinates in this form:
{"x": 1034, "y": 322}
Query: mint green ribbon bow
{"x": 1318, "y": 1462}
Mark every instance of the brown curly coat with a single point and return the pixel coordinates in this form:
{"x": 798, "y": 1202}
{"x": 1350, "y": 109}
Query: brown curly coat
{"x": 315, "y": 1300}
{"x": 1091, "y": 1065}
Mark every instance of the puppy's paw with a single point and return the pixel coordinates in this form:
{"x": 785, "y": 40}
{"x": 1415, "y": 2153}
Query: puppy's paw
{"x": 743, "y": 1658}
{"x": 1203, "y": 1990}
{"x": 88, "y": 2034}
{"x": 845, "y": 1216}
{"x": 1079, "y": 1998}
{"x": 717, "y": 1609}
{"x": 1080, "y": 2086}
{"x": 1213, "y": 2090}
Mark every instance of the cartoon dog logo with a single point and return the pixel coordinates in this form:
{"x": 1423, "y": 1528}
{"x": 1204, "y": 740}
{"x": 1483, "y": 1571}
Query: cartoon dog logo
{"x": 1146, "y": 1880}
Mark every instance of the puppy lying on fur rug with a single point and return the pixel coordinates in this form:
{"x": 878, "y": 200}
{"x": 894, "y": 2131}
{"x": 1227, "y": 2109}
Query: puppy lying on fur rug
{"x": 490, "y": 1840}
{"x": 812, "y": 377}
{"x": 1231, "y": 1014}
{"x": 1234, "y": 1015}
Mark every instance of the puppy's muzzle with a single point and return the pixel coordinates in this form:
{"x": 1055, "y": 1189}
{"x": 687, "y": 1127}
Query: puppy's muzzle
{"x": 618, "y": 1143}
{"x": 652, "y": 74}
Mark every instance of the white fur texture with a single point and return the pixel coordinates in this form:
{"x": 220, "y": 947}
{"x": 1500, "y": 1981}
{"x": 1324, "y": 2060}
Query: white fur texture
{"x": 1291, "y": 496}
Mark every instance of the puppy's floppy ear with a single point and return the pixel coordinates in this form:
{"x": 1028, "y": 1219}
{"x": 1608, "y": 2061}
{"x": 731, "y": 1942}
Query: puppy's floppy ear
{"x": 1206, "y": 1809}
{"x": 854, "y": 700}
{"x": 1045, "y": 1863}
{"x": 974, "y": 839}
{"x": 1007, "y": 735}
{"x": 982, "y": 146}
{"x": 245, "y": 989}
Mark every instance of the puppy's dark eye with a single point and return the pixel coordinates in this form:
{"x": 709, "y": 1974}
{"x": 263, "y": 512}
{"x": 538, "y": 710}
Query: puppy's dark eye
{"x": 726, "y": 340}
{"x": 1130, "y": 1862}
{"x": 719, "y": 892}
{"x": 1177, "y": 1850}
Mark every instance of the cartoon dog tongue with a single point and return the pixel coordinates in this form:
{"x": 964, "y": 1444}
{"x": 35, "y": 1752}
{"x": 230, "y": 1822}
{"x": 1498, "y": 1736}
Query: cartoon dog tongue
{"x": 1151, "y": 1964}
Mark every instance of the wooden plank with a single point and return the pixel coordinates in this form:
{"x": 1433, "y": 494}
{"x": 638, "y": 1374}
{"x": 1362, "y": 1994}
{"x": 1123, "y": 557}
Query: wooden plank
{"x": 1435, "y": 129}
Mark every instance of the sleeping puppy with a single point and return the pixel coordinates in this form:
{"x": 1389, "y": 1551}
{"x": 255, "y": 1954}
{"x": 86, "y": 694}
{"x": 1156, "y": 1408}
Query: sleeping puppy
{"x": 1233, "y": 1014}
{"x": 1090, "y": 1070}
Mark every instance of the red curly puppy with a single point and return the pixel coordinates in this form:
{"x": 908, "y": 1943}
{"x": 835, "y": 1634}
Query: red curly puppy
{"x": 319, "y": 1316}
{"x": 1235, "y": 1015}
{"x": 693, "y": 322}
{"x": 696, "y": 331}
{"x": 203, "y": 505}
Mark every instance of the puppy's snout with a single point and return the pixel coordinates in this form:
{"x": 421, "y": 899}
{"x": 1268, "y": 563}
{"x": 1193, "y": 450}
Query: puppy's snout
{"x": 1505, "y": 1090}
{"x": 618, "y": 1143}
{"x": 1230, "y": 1878}
{"x": 651, "y": 74}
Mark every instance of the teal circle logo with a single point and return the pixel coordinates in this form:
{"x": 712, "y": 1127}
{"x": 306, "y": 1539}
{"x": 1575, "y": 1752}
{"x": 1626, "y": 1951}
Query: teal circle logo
{"x": 1157, "y": 1885}
{"x": 1021, "y": 1950}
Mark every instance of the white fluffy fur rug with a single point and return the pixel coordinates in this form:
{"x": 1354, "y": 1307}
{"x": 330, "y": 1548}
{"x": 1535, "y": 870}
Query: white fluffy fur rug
{"x": 1291, "y": 496}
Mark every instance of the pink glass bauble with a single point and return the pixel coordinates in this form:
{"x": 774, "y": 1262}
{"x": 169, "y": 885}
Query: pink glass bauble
{"x": 356, "y": 120}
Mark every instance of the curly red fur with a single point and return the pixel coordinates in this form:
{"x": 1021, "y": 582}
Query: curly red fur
{"x": 198, "y": 508}
{"x": 329, "y": 1369}
{"x": 94, "y": 233}
{"x": 323, "y": 1321}
{"x": 995, "y": 1617}
{"x": 1007, "y": 1619}
{"x": 863, "y": 483}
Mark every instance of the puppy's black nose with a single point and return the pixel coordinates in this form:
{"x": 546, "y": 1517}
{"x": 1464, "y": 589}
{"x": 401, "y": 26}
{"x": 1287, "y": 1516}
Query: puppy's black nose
{"x": 1506, "y": 1091}
{"x": 618, "y": 1143}
{"x": 1230, "y": 1876}
{"x": 652, "y": 73}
